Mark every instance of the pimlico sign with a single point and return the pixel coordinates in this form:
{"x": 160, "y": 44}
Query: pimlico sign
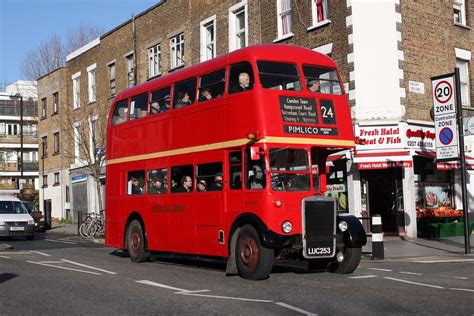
{"x": 401, "y": 135}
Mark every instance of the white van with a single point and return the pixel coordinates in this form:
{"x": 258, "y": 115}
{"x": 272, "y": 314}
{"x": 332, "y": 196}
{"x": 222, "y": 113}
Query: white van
{"x": 14, "y": 218}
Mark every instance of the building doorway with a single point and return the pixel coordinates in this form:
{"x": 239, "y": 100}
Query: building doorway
{"x": 385, "y": 197}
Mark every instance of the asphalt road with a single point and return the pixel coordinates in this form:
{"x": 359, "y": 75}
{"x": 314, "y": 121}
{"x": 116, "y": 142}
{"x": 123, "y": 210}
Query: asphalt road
{"x": 49, "y": 276}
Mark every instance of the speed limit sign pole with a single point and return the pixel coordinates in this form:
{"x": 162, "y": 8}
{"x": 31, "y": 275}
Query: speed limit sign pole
{"x": 449, "y": 131}
{"x": 467, "y": 246}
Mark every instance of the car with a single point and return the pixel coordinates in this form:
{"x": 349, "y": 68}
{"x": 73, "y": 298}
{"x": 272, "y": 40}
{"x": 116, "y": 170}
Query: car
{"x": 40, "y": 224}
{"x": 15, "y": 221}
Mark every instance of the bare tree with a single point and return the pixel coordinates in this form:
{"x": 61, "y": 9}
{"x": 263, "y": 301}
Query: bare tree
{"x": 83, "y": 140}
{"x": 51, "y": 53}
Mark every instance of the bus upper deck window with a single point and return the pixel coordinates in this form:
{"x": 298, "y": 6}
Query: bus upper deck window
{"x": 322, "y": 80}
{"x": 184, "y": 93}
{"x": 160, "y": 100}
{"x": 278, "y": 76}
{"x": 120, "y": 112}
{"x": 138, "y": 106}
{"x": 240, "y": 77}
{"x": 211, "y": 86}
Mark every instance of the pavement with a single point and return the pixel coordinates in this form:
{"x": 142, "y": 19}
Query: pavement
{"x": 395, "y": 248}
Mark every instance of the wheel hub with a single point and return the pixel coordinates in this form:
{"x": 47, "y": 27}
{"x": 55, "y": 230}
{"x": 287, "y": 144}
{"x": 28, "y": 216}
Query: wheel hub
{"x": 249, "y": 252}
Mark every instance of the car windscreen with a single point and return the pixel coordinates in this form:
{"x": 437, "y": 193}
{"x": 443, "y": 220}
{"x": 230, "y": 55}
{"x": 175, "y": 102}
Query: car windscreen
{"x": 12, "y": 207}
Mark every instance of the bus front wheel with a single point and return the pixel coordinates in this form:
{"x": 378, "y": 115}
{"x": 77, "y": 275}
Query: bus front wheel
{"x": 254, "y": 262}
{"x": 349, "y": 263}
{"x": 136, "y": 242}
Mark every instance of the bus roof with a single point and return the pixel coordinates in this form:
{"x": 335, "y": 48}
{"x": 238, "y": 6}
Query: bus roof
{"x": 275, "y": 52}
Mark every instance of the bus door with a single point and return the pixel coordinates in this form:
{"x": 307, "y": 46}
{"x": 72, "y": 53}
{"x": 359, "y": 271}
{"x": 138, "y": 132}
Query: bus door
{"x": 208, "y": 206}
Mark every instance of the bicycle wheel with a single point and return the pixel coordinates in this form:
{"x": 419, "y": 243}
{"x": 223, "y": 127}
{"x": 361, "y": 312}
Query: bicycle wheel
{"x": 83, "y": 230}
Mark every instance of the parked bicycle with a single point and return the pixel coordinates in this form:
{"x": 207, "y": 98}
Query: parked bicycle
{"x": 92, "y": 226}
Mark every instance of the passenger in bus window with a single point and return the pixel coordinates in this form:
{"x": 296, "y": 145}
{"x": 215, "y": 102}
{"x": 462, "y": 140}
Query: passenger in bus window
{"x": 157, "y": 186}
{"x": 314, "y": 86}
{"x": 217, "y": 185}
{"x": 202, "y": 186}
{"x": 136, "y": 187}
{"x": 154, "y": 108}
{"x": 182, "y": 100}
{"x": 205, "y": 95}
{"x": 186, "y": 185}
{"x": 243, "y": 85}
{"x": 122, "y": 115}
{"x": 166, "y": 104}
{"x": 256, "y": 178}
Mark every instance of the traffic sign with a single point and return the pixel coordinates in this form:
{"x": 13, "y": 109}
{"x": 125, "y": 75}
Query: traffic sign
{"x": 444, "y": 108}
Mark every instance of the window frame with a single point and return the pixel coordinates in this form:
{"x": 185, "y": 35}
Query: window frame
{"x": 154, "y": 60}
{"x": 112, "y": 71}
{"x": 91, "y": 83}
{"x": 44, "y": 108}
{"x": 76, "y": 90}
{"x": 234, "y": 34}
{"x": 314, "y": 14}
{"x": 463, "y": 66}
{"x": 44, "y": 146}
{"x": 55, "y": 103}
{"x": 56, "y": 143}
{"x": 282, "y": 13}
{"x": 56, "y": 179}
{"x": 205, "y": 25}
{"x": 459, "y": 6}
{"x": 130, "y": 62}
{"x": 177, "y": 51}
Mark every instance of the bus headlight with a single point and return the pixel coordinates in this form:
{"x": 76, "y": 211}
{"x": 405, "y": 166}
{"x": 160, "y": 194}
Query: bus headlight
{"x": 343, "y": 226}
{"x": 287, "y": 227}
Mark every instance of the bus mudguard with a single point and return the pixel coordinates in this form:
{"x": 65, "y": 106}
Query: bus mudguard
{"x": 354, "y": 236}
{"x": 269, "y": 238}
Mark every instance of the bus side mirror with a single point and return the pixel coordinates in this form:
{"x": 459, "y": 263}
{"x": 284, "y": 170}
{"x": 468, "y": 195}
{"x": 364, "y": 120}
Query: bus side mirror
{"x": 254, "y": 153}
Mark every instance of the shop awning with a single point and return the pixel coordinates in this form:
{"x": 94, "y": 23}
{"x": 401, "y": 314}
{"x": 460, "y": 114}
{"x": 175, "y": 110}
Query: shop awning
{"x": 426, "y": 153}
{"x": 455, "y": 165}
{"x": 343, "y": 154}
{"x": 377, "y": 159}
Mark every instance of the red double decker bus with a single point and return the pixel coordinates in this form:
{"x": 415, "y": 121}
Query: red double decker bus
{"x": 227, "y": 159}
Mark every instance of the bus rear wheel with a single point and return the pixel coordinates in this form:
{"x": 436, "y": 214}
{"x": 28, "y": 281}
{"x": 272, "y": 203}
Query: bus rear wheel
{"x": 349, "y": 263}
{"x": 136, "y": 242}
{"x": 254, "y": 262}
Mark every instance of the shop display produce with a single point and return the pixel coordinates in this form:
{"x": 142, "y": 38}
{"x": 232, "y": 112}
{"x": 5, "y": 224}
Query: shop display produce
{"x": 438, "y": 212}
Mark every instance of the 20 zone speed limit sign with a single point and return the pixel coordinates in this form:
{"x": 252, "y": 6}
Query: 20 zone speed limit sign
{"x": 444, "y": 107}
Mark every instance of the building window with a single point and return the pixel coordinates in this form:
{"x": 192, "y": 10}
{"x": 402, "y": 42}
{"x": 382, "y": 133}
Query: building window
{"x": 130, "y": 69}
{"x": 56, "y": 178}
{"x": 238, "y": 26}
{"x": 45, "y": 180}
{"x": 464, "y": 79}
{"x": 44, "y": 108}
{"x": 154, "y": 54}
{"x": 320, "y": 11}
{"x": 77, "y": 141}
{"x": 56, "y": 143}
{"x": 76, "y": 90}
{"x": 112, "y": 85}
{"x": 55, "y": 103}
{"x": 44, "y": 146}
{"x": 208, "y": 38}
{"x": 177, "y": 50}
{"x": 284, "y": 18}
{"x": 91, "y": 87}
{"x": 459, "y": 10}
{"x": 10, "y": 129}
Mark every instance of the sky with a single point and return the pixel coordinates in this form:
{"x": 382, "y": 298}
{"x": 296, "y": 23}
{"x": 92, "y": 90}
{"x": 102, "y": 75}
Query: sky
{"x": 24, "y": 24}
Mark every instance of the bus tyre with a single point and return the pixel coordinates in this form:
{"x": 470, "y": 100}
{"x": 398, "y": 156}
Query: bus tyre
{"x": 136, "y": 242}
{"x": 254, "y": 261}
{"x": 350, "y": 262}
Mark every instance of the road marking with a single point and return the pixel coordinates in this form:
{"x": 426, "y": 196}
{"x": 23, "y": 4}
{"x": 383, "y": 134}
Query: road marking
{"x": 228, "y": 297}
{"x": 415, "y": 283}
{"x": 64, "y": 268}
{"x": 378, "y": 269}
{"x": 41, "y": 253}
{"x": 460, "y": 278}
{"x": 456, "y": 289}
{"x": 89, "y": 267}
{"x": 191, "y": 292}
{"x": 445, "y": 261}
{"x": 296, "y": 309}
{"x": 411, "y": 273}
{"x": 52, "y": 262}
{"x": 15, "y": 253}
{"x": 162, "y": 285}
{"x": 5, "y": 257}
{"x": 61, "y": 241}
{"x": 364, "y": 276}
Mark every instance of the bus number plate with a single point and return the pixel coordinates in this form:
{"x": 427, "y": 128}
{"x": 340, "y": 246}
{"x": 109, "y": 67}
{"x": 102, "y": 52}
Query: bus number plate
{"x": 327, "y": 112}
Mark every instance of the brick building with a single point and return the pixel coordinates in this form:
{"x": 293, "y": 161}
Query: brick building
{"x": 387, "y": 51}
